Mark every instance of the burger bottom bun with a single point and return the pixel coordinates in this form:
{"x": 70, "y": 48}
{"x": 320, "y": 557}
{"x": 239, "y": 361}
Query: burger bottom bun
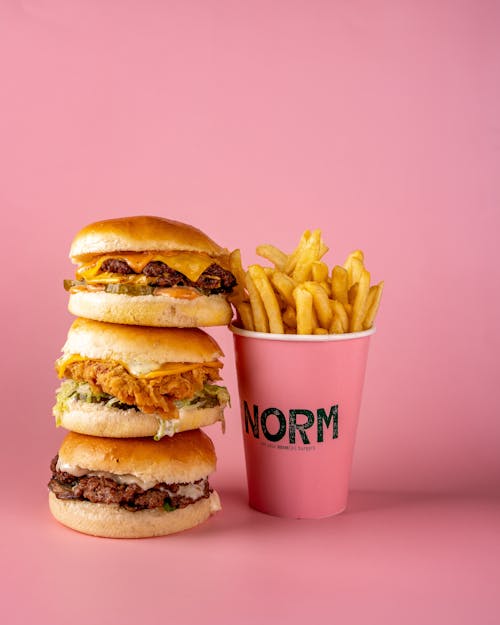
{"x": 99, "y": 420}
{"x": 151, "y": 310}
{"x": 112, "y": 521}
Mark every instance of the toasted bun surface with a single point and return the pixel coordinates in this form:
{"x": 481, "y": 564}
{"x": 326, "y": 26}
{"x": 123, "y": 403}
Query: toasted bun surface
{"x": 112, "y": 521}
{"x": 141, "y": 349}
{"x": 185, "y": 457}
{"x": 140, "y": 234}
{"x": 151, "y": 310}
{"x": 102, "y": 420}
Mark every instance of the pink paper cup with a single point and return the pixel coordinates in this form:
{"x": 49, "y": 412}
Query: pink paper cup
{"x": 300, "y": 399}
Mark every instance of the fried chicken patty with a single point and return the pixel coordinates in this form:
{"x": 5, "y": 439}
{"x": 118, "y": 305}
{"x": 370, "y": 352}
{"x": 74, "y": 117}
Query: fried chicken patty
{"x": 148, "y": 394}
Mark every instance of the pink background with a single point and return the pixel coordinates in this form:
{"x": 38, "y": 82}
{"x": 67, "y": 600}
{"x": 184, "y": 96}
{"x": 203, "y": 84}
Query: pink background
{"x": 375, "y": 121}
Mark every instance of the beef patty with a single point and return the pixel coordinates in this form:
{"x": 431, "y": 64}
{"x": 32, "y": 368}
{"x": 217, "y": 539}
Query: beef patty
{"x": 99, "y": 489}
{"x": 214, "y": 279}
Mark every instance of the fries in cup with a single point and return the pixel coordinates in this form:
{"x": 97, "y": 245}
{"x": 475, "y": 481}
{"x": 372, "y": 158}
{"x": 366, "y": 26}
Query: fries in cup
{"x": 300, "y": 295}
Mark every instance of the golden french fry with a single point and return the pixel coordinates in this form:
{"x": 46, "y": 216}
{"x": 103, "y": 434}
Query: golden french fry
{"x": 245, "y": 312}
{"x": 238, "y": 294}
{"x": 237, "y": 268}
{"x": 356, "y": 254}
{"x": 289, "y": 317}
{"x": 273, "y": 254}
{"x": 302, "y": 271}
{"x": 354, "y": 265}
{"x": 304, "y": 310}
{"x": 359, "y": 303}
{"x": 268, "y": 298}
{"x": 260, "y": 319}
{"x": 323, "y": 249}
{"x": 373, "y": 303}
{"x": 339, "y": 284}
{"x": 320, "y": 331}
{"x": 268, "y": 271}
{"x": 370, "y": 298}
{"x": 326, "y": 288}
{"x": 340, "y": 312}
{"x": 351, "y": 295}
{"x": 319, "y": 271}
{"x": 285, "y": 286}
{"x": 315, "y": 322}
{"x": 321, "y": 303}
{"x": 336, "y": 326}
{"x": 310, "y": 253}
{"x": 354, "y": 271}
{"x": 292, "y": 258}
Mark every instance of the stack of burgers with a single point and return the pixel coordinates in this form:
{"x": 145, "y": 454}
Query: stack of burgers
{"x": 139, "y": 379}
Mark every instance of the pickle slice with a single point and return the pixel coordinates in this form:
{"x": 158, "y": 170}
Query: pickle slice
{"x": 68, "y": 284}
{"x": 129, "y": 289}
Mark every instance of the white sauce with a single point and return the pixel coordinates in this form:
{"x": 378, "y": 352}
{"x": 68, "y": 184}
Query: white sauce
{"x": 193, "y": 491}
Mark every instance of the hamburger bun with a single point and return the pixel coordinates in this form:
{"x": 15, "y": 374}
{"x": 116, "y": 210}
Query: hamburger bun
{"x": 185, "y": 458}
{"x": 112, "y": 521}
{"x": 141, "y": 349}
{"x": 151, "y": 310}
{"x": 97, "y": 420}
{"x": 141, "y": 234}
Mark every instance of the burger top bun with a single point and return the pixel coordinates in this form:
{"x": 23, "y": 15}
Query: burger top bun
{"x": 142, "y": 349}
{"x": 185, "y": 457}
{"x": 141, "y": 234}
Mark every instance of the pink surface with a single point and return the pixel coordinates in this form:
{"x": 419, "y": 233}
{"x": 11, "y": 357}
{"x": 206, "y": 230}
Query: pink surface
{"x": 299, "y": 404}
{"x": 377, "y": 122}
{"x": 390, "y": 558}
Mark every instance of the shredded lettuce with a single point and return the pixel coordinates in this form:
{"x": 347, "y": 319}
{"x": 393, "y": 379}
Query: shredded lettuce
{"x": 81, "y": 391}
{"x": 112, "y": 401}
{"x": 211, "y": 395}
{"x": 166, "y": 427}
{"x": 67, "y": 390}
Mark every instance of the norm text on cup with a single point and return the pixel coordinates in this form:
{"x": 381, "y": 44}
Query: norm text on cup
{"x": 295, "y": 425}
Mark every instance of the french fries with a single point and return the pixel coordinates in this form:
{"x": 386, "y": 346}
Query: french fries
{"x": 304, "y": 308}
{"x": 321, "y": 304}
{"x": 268, "y": 297}
{"x": 260, "y": 320}
{"x": 319, "y": 271}
{"x": 359, "y": 302}
{"x": 245, "y": 312}
{"x": 290, "y": 318}
{"x": 372, "y": 305}
{"x": 340, "y": 313}
{"x": 309, "y": 253}
{"x": 339, "y": 284}
{"x": 285, "y": 287}
{"x": 273, "y": 254}
{"x": 299, "y": 294}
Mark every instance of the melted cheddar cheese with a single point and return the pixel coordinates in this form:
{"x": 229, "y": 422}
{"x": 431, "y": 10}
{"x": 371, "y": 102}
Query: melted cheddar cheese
{"x": 169, "y": 368}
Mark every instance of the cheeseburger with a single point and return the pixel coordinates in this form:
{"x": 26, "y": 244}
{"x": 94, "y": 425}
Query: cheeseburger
{"x": 149, "y": 271}
{"x": 129, "y": 381}
{"x": 133, "y": 488}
